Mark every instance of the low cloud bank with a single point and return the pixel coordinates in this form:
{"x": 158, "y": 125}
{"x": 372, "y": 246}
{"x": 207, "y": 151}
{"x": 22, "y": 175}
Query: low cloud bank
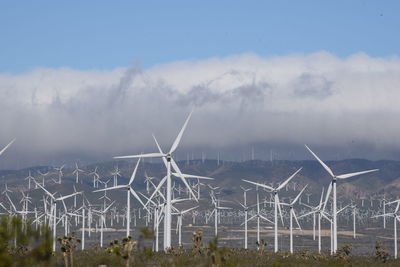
{"x": 239, "y": 102}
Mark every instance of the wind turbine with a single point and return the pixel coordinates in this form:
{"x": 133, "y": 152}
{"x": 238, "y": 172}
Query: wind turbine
{"x": 217, "y": 207}
{"x": 293, "y": 214}
{"x": 179, "y": 223}
{"x": 315, "y": 209}
{"x": 276, "y": 203}
{"x": 245, "y": 213}
{"x": 116, "y": 173}
{"x": 76, "y": 172}
{"x": 29, "y": 178}
{"x": 395, "y": 219}
{"x": 319, "y": 209}
{"x": 130, "y": 191}
{"x": 43, "y": 175}
{"x": 54, "y": 209}
{"x": 6, "y": 190}
{"x": 102, "y": 221}
{"x": 333, "y": 186}
{"x": 95, "y": 178}
{"x": 258, "y": 215}
{"x": 147, "y": 180}
{"x": 169, "y": 162}
{"x": 60, "y": 173}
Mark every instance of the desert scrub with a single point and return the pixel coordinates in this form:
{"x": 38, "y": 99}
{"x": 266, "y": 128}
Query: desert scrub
{"x": 197, "y": 242}
{"x": 123, "y": 249}
{"x": 23, "y": 245}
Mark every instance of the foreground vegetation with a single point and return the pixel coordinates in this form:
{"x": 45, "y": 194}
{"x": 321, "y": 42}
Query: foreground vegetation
{"x": 23, "y": 245}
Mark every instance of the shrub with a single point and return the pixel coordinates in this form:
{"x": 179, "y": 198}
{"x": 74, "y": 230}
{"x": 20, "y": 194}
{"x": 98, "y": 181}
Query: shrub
{"x": 344, "y": 251}
{"x": 68, "y": 246}
{"x": 23, "y": 245}
{"x": 123, "y": 249}
{"x": 380, "y": 253}
{"x": 261, "y": 246}
{"x": 197, "y": 241}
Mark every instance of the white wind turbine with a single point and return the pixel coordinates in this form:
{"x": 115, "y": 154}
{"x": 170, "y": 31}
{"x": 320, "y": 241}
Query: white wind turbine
{"x": 245, "y": 213}
{"x": 293, "y": 214}
{"x": 332, "y": 187}
{"x": 217, "y": 207}
{"x": 321, "y": 214}
{"x": 395, "y": 219}
{"x": 43, "y": 175}
{"x": 14, "y": 210}
{"x": 258, "y": 215}
{"x": 96, "y": 178}
{"x": 60, "y": 173}
{"x": 169, "y": 162}
{"x": 102, "y": 221}
{"x": 116, "y": 173}
{"x": 76, "y": 172}
{"x": 6, "y": 190}
{"x": 130, "y": 191}
{"x": 179, "y": 223}
{"x": 147, "y": 180}
{"x": 276, "y": 203}
{"x": 315, "y": 209}
{"x": 26, "y": 199}
{"x": 54, "y": 201}
{"x": 29, "y": 178}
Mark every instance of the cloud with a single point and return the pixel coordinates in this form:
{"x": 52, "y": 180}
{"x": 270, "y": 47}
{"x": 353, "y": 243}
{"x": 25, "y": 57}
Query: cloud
{"x": 241, "y": 100}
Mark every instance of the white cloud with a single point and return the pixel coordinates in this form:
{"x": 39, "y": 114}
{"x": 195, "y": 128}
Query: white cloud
{"x": 289, "y": 100}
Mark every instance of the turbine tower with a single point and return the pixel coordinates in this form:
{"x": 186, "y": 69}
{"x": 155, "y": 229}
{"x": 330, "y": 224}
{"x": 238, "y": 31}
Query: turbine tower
{"x": 169, "y": 162}
{"x": 276, "y": 203}
{"x": 332, "y": 187}
{"x": 130, "y": 191}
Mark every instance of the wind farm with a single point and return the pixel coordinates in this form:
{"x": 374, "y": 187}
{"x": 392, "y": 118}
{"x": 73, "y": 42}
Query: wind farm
{"x": 68, "y": 200}
{"x": 207, "y": 133}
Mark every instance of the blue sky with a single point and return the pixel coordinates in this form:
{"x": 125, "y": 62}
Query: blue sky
{"x": 110, "y": 34}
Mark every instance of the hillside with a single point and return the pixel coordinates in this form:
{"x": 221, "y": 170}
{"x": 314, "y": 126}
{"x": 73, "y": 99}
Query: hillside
{"x": 228, "y": 177}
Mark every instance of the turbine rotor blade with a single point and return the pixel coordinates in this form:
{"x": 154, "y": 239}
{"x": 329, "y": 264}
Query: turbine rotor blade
{"x": 68, "y": 196}
{"x": 282, "y": 185}
{"x": 306, "y": 214}
{"x": 148, "y": 155}
{"x": 328, "y": 192}
{"x": 258, "y": 184}
{"x": 348, "y": 175}
{"x": 397, "y": 207}
{"x": 111, "y": 188}
{"x": 137, "y": 197}
{"x": 321, "y": 162}
{"x": 298, "y": 196}
{"x": 134, "y": 172}
{"x": 326, "y": 217}
{"x": 185, "y": 211}
{"x": 157, "y": 189}
{"x": 159, "y": 149}
{"x": 176, "y": 168}
{"x": 7, "y": 146}
{"x": 265, "y": 219}
{"x": 295, "y": 218}
{"x": 178, "y": 138}
{"x": 322, "y": 197}
{"x": 280, "y": 209}
{"x": 251, "y": 218}
{"x": 193, "y": 176}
